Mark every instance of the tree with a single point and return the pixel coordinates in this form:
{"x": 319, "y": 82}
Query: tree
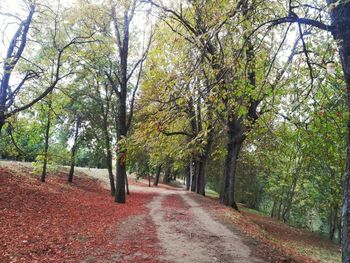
{"x": 122, "y": 16}
{"x": 9, "y": 92}
{"x": 339, "y": 27}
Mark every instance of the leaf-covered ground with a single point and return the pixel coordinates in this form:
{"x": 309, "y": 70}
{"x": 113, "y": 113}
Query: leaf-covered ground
{"x": 60, "y": 222}
{"x": 79, "y": 222}
{"x": 273, "y": 240}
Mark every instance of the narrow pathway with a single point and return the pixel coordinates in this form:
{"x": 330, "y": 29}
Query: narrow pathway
{"x": 187, "y": 233}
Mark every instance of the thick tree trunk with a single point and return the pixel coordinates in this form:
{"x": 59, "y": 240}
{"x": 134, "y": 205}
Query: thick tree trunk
{"x": 123, "y": 45}
{"x": 194, "y": 177}
{"x": 121, "y": 178}
{"x": 156, "y": 180}
{"x": 47, "y": 135}
{"x": 167, "y": 175}
{"x": 73, "y": 152}
{"x": 188, "y": 175}
{"x": 340, "y": 20}
{"x": 72, "y": 165}
{"x": 235, "y": 138}
{"x": 201, "y": 176}
{"x": 228, "y": 192}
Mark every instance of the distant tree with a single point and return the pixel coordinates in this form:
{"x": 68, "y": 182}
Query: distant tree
{"x": 33, "y": 70}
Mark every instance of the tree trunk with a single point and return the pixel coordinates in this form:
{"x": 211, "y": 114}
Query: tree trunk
{"x": 235, "y": 138}
{"x": 121, "y": 178}
{"x": 108, "y": 156}
{"x": 156, "y": 180}
{"x": 333, "y": 221}
{"x": 340, "y": 14}
{"x": 188, "y": 175}
{"x": 47, "y": 134}
{"x": 127, "y": 184}
{"x": 73, "y": 152}
{"x": 201, "y": 176}
{"x": 194, "y": 177}
{"x": 167, "y": 175}
{"x": 290, "y": 196}
{"x": 110, "y": 172}
{"x": 2, "y": 123}
{"x": 121, "y": 135}
{"x": 123, "y": 45}
{"x": 273, "y": 209}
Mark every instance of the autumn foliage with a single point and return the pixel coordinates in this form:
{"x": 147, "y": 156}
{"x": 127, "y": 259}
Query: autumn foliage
{"x": 61, "y": 222}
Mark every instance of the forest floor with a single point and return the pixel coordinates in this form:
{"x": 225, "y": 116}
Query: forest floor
{"x": 79, "y": 222}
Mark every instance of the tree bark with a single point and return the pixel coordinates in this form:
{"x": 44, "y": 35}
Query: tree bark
{"x": 194, "y": 182}
{"x": 188, "y": 175}
{"x": 333, "y": 222}
{"x": 156, "y": 181}
{"x": 340, "y": 20}
{"x": 235, "y": 139}
{"x": 47, "y": 135}
{"x": 73, "y": 151}
{"x": 127, "y": 184}
{"x": 167, "y": 174}
{"x": 123, "y": 46}
{"x": 273, "y": 209}
{"x": 108, "y": 155}
{"x": 201, "y": 175}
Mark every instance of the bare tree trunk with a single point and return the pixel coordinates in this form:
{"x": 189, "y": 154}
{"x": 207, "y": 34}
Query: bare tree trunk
{"x": 188, "y": 175}
{"x": 110, "y": 172}
{"x": 109, "y": 156}
{"x": 194, "y": 185}
{"x": 167, "y": 174}
{"x": 333, "y": 222}
{"x": 273, "y": 209}
{"x": 156, "y": 181}
{"x": 201, "y": 175}
{"x": 47, "y": 135}
{"x": 73, "y": 151}
{"x": 235, "y": 138}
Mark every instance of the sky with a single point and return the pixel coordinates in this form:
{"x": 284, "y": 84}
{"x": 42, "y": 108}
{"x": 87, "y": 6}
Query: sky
{"x": 18, "y": 8}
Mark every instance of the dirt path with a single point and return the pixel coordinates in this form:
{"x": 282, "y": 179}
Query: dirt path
{"x": 187, "y": 233}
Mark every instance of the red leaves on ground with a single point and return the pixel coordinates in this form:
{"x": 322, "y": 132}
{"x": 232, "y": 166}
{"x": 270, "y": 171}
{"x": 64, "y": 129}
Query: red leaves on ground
{"x": 176, "y": 208}
{"x": 60, "y": 222}
{"x": 141, "y": 245}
